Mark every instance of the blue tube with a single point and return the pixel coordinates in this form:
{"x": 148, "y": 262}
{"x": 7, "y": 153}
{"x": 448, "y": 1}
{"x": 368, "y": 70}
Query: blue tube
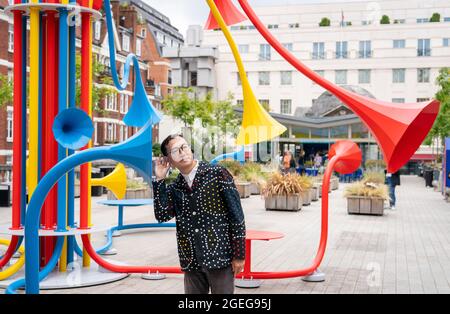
{"x": 13, "y": 287}
{"x": 62, "y": 105}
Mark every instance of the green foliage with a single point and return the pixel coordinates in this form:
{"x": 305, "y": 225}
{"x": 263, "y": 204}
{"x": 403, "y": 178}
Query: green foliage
{"x": 385, "y": 20}
{"x": 181, "y": 105}
{"x": 435, "y": 18}
{"x": 6, "y": 90}
{"x": 100, "y": 76}
{"x": 441, "y": 127}
{"x": 156, "y": 149}
{"x": 325, "y": 22}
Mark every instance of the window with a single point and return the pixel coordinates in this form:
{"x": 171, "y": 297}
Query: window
{"x": 364, "y": 76}
{"x": 423, "y": 20}
{"x": 341, "y": 76}
{"x": 97, "y": 30}
{"x": 446, "y": 42}
{"x": 126, "y": 104}
{"x": 193, "y": 79}
{"x": 320, "y": 72}
{"x": 341, "y": 50}
{"x": 265, "y": 103}
{"x": 398, "y": 75}
{"x": 288, "y": 46}
{"x": 125, "y": 42}
{"x": 423, "y": 75}
{"x": 446, "y": 19}
{"x": 339, "y": 131}
{"x": 243, "y": 48}
{"x": 423, "y": 48}
{"x": 264, "y": 78}
{"x": 359, "y": 130}
{"x": 422, "y": 99}
{"x": 240, "y": 102}
{"x": 122, "y": 103}
{"x": 365, "y": 49}
{"x": 286, "y": 77}
{"x": 318, "y": 51}
{"x": 143, "y": 32}
{"x": 95, "y": 133}
{"x": 9, "y": 126}
{"x": 294, "y": 25}
{"x": 10, "y": 38}
{"x": 10, "y": 75}
{"x": 110, "y": 132}
{"x": 111, "y": 103}
{"x": 272, "y": 26}
{"x": 238, "y": 77}
{"x": 398, "y": 100}
{"x": 264, "y": 52}
{"x": 366, "y": 22}
{"x": 138, "y": 47}
{"x": 286, "y": 106}
{"x": 399, "y": 21}
{"x": 399, "y": 43}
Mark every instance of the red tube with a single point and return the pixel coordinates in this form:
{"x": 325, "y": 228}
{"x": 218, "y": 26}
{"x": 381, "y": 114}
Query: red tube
{"x": 10, "y": 251}
{"x": 17, "y": 120}
{"x": 126, "y": 269}
{"x": 323, "y": 237}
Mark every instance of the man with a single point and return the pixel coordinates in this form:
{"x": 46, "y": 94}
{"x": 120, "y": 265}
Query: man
{"x": 392, "y": 180}
{"x": 209, "y": 218}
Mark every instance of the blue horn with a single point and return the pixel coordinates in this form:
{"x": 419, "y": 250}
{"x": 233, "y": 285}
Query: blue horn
{"x": 238, "y": 156}
{"x": 72, "y": 128}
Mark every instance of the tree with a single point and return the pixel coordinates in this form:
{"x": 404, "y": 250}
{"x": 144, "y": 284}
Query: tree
{"x": 6, "y": 90}
{"x": 441, "y": 127}
{"x": 435, "y": 18}
{"x": 385, "y": 20}
{"x": 102, "y": 76}
{"x": 325, "y": 22}
{"x": 181, "y": 105}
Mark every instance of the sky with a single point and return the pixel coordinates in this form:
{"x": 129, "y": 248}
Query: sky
{"x": 183, "y": 13}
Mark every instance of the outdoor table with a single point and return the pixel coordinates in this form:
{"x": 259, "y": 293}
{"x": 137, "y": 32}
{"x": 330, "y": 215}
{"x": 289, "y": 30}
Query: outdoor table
{"x": 252, "y": 235}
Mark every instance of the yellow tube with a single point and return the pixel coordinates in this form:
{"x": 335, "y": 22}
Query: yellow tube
{"x": 17, "y": 266}
{"x": 34, "y": 100}
{"x": 257, "y": 125}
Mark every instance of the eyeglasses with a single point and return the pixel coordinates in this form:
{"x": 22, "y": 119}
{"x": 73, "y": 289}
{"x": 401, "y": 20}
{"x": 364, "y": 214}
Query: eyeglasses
{"x": 175, "y": 152}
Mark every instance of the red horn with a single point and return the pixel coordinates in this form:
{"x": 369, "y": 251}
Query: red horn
{"x": 229, "y": 12}
{"x": 398, "y": 128}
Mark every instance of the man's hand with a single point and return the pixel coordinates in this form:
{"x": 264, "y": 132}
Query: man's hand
{"x": 238, "y": 266}
{"x": 161, "y": 168}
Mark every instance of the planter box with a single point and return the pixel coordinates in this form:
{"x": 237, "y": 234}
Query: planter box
{"x": 255, "y": 189}
{"x": 284, "y": 202}
{"x": 319, "y": 188}
{"x": 334, "y": 184}
{"x": 243, "y": 189}
{"x": 133, "y": 194}
{"x": 314, "y": 194}
{"x": 306, "y": 197}
{"x": 365, "y": 206}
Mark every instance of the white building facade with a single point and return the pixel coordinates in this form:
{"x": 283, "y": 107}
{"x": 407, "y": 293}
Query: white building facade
{"x": 396, "y": 62}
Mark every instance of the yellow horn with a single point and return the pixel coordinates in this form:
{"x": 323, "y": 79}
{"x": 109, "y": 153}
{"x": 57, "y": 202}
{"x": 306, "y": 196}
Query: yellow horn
{"x": 116, "y": 181}
{"x": 257, "y": 125}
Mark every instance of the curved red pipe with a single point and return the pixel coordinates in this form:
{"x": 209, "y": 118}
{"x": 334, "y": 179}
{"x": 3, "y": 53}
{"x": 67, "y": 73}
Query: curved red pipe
{"x": 125, "y": 269}
{"x": 10, "y": 251}
{"x": 323, "y": 237}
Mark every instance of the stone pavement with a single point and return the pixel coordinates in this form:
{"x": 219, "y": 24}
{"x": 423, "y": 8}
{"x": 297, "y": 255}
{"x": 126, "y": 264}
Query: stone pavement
{"x": 405, "y": 251}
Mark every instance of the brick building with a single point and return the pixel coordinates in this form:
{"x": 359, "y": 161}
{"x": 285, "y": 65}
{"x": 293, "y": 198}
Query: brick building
{"x": 139, "y": 29}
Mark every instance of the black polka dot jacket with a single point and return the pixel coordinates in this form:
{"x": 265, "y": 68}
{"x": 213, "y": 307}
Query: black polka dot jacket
{"x": 209, "y": 217}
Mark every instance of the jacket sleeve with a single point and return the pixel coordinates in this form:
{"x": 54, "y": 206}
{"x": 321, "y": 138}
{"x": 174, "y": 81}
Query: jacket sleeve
{"x": 163, "y": 201}
{"x": 235, "y": 213}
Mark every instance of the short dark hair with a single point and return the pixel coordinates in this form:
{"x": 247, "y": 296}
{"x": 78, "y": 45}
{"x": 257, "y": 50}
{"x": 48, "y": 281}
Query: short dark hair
{"x": 166, "y": 142}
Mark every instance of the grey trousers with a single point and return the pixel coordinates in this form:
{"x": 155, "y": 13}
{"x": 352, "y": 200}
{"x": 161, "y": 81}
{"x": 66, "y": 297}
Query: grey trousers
{"x": 219, "y": 281}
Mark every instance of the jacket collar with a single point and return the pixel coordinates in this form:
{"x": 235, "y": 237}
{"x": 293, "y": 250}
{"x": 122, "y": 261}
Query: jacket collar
{"x": 181, "y": 183}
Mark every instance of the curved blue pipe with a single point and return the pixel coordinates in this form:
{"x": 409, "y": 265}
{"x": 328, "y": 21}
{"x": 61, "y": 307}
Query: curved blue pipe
{"x": 238, "y": 156}
{"x": 13, "y": 287}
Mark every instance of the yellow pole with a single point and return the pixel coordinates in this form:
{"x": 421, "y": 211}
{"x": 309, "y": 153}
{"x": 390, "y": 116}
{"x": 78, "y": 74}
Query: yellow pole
{"x": 34, "y": 100}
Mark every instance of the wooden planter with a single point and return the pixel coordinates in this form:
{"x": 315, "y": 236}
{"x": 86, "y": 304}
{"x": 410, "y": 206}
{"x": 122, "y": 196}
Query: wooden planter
{"x": 365, "y": 205}
{"x": 243, "y": 189}
{"x": 306, "y": 197}
{"x": 292, "y": 202}
{"x": 143, "y": 193}
{"x": 314, "y": 194}
{"x": 255, "y": 189}
{"x": 334, "y": 184}
{"x": 319, "y": 188}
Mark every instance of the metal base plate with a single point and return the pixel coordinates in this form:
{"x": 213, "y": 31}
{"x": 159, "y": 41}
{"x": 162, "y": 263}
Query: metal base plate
{"x": 247, "y": 283}
{"x": 76, "y": 278}
{"x": 153, "y": 276}
{"x": 316, "y": 276}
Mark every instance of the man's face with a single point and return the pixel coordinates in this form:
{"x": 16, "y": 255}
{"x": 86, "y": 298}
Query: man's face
{"x": 179, "y": 153}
